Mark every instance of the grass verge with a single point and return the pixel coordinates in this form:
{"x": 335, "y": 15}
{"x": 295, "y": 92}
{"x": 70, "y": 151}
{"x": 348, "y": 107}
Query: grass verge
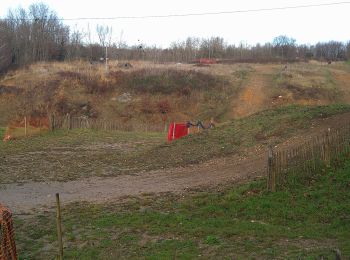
{"x": 307, "y": 220}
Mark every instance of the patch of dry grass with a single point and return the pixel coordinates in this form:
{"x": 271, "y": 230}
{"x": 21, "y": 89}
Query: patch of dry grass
{"x": 305, "y": 83}
{"x": 85, "y": 89}
{"x": 80, "y": 88}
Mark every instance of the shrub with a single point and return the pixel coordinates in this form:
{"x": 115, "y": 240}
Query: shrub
{"x": 160, "y": 81}
{"x": 146, "y": 106}
{"x": 163, "y": 106}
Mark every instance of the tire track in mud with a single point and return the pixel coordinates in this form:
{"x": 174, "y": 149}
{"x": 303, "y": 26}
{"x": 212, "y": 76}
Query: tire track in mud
{"x": 33, "y": 196}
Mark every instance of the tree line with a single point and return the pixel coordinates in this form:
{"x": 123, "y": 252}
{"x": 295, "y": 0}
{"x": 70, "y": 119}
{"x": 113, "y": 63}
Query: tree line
{"x": 37, "y": 34}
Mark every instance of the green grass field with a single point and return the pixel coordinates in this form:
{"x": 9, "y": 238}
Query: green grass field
{"x": 308, "y": 220}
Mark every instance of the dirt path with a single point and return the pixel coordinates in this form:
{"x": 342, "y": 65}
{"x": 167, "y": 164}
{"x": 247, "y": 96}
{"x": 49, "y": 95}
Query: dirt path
{"x": 253, "y": 96}
{"x": 25, "y": 197}
{"x": 250, "y": 163}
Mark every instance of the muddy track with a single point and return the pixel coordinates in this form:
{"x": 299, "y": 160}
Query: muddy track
{"x": 253, "y": 97}
{"x": 242, "y": 167}
{"x": 25, "y": 197}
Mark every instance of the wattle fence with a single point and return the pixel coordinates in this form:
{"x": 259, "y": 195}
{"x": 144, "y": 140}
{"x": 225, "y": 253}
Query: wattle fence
{"x": 325, "y": 150}
{"x": 68, "y": 122}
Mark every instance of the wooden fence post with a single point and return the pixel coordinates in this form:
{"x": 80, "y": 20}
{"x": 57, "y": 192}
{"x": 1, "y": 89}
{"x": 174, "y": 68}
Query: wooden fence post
{"x": 52, "y": 122}
{"x": 69, "y": 119}
{"x": 271, "y": 177}
{"x": 327, "y": 150}
{"x": 59, "y": 228}
{"x": 25, "y": 126}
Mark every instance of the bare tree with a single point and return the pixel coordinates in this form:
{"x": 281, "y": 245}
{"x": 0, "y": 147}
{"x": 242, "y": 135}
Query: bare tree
{"x": 5, "y": 49}
{"x": 348, "y": 50}
{"x": 284, "y": 45}
{"x": 32, "y": 36}
{"x": 75, "y": 49}
{"x": 104, "y": 34}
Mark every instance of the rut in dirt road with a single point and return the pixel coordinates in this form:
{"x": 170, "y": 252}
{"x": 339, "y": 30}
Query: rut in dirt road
{"x": 28, "y": 196}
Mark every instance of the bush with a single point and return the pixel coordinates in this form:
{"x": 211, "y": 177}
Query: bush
{"x": 163, "y": 106}
{"x": 158, "y": 81}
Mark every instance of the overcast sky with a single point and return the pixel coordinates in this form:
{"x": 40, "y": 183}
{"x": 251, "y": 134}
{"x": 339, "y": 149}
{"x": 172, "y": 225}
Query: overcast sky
{"x": 306, "y": 25}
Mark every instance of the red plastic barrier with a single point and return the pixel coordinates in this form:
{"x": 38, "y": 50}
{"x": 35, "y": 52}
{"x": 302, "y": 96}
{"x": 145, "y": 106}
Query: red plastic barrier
{"x": 207, "y": 61}
{"x": 176, "y": 131}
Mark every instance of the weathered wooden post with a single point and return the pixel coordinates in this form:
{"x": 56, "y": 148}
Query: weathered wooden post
{"x": 327, "y": 150}
{"x": 69, "y": 121}
{"x": 271, "y": 176}
{"x": 25, "y": 126}
{"x": 52, "y": 121}
{"x": 59, "y": 228}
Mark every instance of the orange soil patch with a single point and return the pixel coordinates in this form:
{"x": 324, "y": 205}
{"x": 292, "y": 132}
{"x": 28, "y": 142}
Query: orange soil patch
{"x": 35, "y": 125}
{"x": 253, "y": 98}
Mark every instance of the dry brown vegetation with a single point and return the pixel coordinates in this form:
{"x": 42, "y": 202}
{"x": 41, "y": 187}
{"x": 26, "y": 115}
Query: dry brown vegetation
{"x": 142, "y": 93}
{"x": 157, "y": 93}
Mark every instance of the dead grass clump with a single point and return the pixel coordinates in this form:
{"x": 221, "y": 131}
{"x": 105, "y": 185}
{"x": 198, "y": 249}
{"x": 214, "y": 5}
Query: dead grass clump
{"x": 185, "y": 91}
{"x": 170, "y": 81}
{"x": 93, "y": 83}
{"x": 67, "y": 74}
{"x": 124, "y": 65}
{"x": 64, "y": 105}
{"x": 96, "y": 86}
{"x": 300, "y": 92}
{"x": 147, "y": 106}
{"x": 163, "y": 106}
{"x": 10, "y": 90}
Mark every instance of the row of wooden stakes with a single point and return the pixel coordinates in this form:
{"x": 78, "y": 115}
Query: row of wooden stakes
{"x": 69, "y": 122}
{"x": 325, "y": 150}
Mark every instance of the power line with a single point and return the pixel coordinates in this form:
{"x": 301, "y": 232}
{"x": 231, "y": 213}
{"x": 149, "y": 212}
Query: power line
{"x": 194, "y": 14}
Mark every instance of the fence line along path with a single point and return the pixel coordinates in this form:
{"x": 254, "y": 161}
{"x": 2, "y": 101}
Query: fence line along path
{"x": 321, "y": 151}
{"x": 69, "y": 122}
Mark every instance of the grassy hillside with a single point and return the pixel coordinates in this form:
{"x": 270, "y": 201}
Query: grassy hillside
{"x": 148, "y": 93}
{"x": 86, "y": 153}
{"x": 267, "y": 127}
{"x": 152, "y": 93}
{"x": 308, "y": 82}
{"x": 308, "y": 220}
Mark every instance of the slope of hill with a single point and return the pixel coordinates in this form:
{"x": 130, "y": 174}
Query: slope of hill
{"x": 143, "y": 93}
{"x": 157, "y": 93}
{"x": 86, "y": 153}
